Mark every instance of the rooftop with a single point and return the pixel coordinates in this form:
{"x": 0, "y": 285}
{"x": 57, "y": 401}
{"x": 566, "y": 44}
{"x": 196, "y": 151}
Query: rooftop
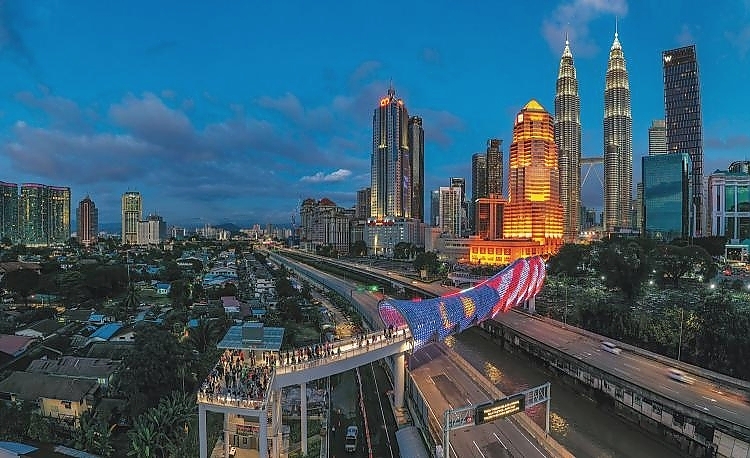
{"x": 14, "y": 345}
{"x": 252, "y": 336}
{"x": 30, "y": 386}
{"x": 74, "y": 366}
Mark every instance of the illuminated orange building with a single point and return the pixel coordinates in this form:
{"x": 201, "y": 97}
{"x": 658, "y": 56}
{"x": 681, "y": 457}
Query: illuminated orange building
{"x": 533, "y": 216}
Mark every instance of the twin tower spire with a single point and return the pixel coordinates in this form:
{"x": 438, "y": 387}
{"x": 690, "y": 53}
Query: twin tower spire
{"x": 617, "y": 149}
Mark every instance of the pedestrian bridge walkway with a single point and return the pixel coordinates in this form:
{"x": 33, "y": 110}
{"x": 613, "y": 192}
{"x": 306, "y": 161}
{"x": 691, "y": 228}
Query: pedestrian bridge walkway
{"x": 244, "y": 380}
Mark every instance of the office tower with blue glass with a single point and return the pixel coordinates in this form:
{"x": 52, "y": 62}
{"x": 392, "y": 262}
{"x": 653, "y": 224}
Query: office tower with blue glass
{"x": 667, "y": 196}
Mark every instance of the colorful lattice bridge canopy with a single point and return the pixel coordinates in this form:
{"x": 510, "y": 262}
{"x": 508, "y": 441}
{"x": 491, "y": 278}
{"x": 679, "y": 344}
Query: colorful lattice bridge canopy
{"x": 437, "y": 318}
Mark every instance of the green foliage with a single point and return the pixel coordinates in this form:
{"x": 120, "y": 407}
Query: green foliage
{"x": 673, "y": 263}
{"x": 571, "y": 260}
{"x": 40, "y": 428}
{"x": 167, "y": 430}
{"x": 22, "y": 282}
{"x": 206, "y": 334}
{"x": 16, "y": 418}
{"x": 625, "y": 266}
{"x": 427, "y": 261}
{"x": 358, "y": 249}
{"x": 93, "y": 436}
{"x": 180, "y": 292}
{"x": 404, "y": 250}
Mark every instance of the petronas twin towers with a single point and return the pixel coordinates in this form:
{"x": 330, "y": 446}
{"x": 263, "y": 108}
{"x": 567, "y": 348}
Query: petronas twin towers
{"x": 618, "y": 142}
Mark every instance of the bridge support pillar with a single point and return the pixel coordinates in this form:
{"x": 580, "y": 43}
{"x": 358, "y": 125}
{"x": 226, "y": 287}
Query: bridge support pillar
{"x": 303, "y": 416}
{"x": 532, "y": 305}
{"x": 226, "y": 434}
{"x": 277, "y": 424}
{"x": 202, "y": 439}
{"x": 398, "y": 380}
{"x": 263, "y": 434}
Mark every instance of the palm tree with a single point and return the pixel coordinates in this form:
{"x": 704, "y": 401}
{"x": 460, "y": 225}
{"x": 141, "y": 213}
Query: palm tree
{"x": 145, "y": 439}
{"x": 206, "y": 334}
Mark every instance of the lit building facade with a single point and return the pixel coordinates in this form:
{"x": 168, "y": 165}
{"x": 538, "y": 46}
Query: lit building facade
{"x": 435, "y": 207}
{"x": 728, "y": 205}
{"x": 451, "y": 211}
{"x": 416, "y": 152}
{"x": 489, "y": 217}
{"x": 44, "y": 214}
{"x": 323, "y": 223}
{"x": 87, "y": 222}
{"x": 382, "y": 235}
{"x": 478, "y": 185}
{"x": 9, "y": 211}
{"x": 534, "y": 210}
{"x": 682, "y": 114}
{"x": 666, "y": 196}
{"x": 494, "y": 156}
{"x": 390, "y": 174}
{"x": 657, "y": 137}
{"x": 362, "y": 210}
{"x": 618, "y": 142}
{"x": 132, "y": 214}
{"x": 152, "y": 231}
{"x": 568, "y": 140}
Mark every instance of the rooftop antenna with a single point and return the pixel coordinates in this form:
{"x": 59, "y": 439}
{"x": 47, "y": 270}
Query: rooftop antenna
{"x": 391, "y": 91}
{"x": 616, "y": 19}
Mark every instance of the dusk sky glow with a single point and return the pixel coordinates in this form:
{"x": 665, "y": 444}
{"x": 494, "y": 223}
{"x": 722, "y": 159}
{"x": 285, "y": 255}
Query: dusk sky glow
{"x": 233, "y": 111}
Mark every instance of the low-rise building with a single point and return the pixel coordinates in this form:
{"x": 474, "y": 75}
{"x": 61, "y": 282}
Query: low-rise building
{"x": 100, "y": 370}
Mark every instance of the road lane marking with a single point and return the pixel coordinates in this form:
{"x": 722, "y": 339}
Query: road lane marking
{"x": 709, "y": 399}
{"x": 632, "y": 367}
{"x": 666, "y": 388}
{"x": 727, "y": 410}
{"x": 478, "y": 449}
{"x": 527, "y": 439}
{"x": 621, "y": 371}
{"x": 701, "y": 407}
{"x": 501, "y": 442}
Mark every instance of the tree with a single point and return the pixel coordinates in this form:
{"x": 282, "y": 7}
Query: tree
{"x": 166, "y": 430}
{"x": 40, "y": 428}
{"x": 625, "y": 266}
{"x": 16, "y": 419}
{"x": 571, "y": 260}
{"x": 427, "y": 261}
{"x": 358, "y": 248}
{"x": 22, "y": 282}
{"x": 206, "y": 334}
{"x": 151, "y": 369}
{"x": 673, "y": 262}
{"x": 180, "y": 293}
{"x": 93, "y": 436}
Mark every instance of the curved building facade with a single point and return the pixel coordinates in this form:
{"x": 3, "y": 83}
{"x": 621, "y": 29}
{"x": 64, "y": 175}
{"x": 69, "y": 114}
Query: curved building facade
{"x": 437, "y": 318}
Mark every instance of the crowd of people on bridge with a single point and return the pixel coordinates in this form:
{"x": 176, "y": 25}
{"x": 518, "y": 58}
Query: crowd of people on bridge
{"x": 236, "y": 381}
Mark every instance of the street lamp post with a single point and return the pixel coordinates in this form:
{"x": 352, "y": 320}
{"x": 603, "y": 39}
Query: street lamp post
{"x": 679, "y": 344}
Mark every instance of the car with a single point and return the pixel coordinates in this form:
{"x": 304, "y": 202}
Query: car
{"x": 610, "y": 347}
{"x": 350, "y": 443}
{"x": 679, "y": 376}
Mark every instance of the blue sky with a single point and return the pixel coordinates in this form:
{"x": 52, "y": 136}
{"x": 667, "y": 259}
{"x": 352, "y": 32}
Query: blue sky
{"x": 234, "y": 111}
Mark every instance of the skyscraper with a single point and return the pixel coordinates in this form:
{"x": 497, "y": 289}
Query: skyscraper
{"x": 657, "y": 137}
{"x": 416, "y": 150}
{"x": 494, "y": 177}
{"x": 58, "y": 214}
{"x": 568, "y": 140}
{"x": 478, "y": 184}
{"x": 682, "y": 114}
{"x": 435, "y": 207}
{"x": 44, "y": 214}
{"x": 87, "y": 220}
{"x": 451, "y": 212}
{"x": 9, "y": 211}
{"x": 534, "y": 210}
{"x": 666, "y": 196}
{"x": 362, "y": 210}
{"x": 390, "y": 174}
{"x": 132, "y": 213}
{"x": 618, "y": 141}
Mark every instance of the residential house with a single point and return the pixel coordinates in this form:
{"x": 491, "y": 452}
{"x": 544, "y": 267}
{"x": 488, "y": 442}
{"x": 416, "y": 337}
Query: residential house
{"x": 163, "y": 288}
{"x": 100, "y": 370}
{"x": 58, "y": 397}
{"x": 41, "y": 329}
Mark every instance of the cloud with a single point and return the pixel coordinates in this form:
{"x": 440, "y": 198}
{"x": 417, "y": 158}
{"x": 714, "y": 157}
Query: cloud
{"x": 740, "y": 40}
{"x": 61, "y": 112}
{"x": 364, "y": 70}
{"x": 431, "y": 56}
{"x": 685, "y": 37}
{"x": 728, "y": 143}
{"x": 438, "y": 124}
{"x": 12, "y": 43}
{"x": 573, "y": 17}
{"x": 321, "y": 177}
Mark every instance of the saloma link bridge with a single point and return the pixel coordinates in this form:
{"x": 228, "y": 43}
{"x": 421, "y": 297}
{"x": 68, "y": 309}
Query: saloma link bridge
{"x": 253, "y": 387}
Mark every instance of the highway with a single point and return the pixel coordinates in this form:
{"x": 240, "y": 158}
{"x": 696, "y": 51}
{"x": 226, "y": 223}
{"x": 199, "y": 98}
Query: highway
{"x": 446, "y": 385}
{"x": 644, "y": 372}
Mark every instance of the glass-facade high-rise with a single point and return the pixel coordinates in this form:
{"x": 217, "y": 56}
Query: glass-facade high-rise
{"x": 58, "y": 198}
{"x": 87, "y": 221}
{"x": 534, "y": 210}
{"x": 9, "y": 211}
{"x": 132, "y": 213}
{"x": 618, "y": 142}
{"x": 390, "y": 174}
{"x": 657, "y": 137}
{"x": 682, "y": 114}
{"x": 728, "y": 204}
{"x": 568, "y": 140}
{"x": 44, "y": 214}
{"x": 494, "y": 177}
{"x": 478, "y": 185}
{"x": 666, "y": 196}
{"x": 416, "y": 151}
{"x": 435, "y": 208}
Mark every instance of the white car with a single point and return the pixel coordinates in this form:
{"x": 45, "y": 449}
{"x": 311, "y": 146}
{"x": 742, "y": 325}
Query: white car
{"x": 610, "y": 347}
{"x": 679, "y": 376}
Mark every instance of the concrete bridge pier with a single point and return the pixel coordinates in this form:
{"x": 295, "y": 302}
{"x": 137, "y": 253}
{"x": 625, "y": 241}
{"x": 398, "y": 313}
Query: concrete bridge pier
{"x": 202, "y": 440}
{"x": 398, "y": 380}
{"x": 263, "y": 434}
{"x": 303, "y": 416}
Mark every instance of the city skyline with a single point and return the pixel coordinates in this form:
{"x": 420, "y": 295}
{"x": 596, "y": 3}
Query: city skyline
{"x": 115, "y": 101}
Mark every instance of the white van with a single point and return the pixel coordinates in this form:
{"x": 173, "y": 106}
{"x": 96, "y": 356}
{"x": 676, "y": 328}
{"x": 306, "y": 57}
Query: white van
{"x": 350, "y": 445}
{"x": 610, "y": 347}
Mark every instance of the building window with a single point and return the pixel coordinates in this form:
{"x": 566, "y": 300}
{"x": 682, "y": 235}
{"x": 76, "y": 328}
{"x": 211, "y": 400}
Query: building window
{"x": 65, "y": 404}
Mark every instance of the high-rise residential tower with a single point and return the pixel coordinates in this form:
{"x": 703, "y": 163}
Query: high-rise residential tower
{"x": 657, "y": 138}
{"x": 534, "y": 210}
{"x": 132, "y": 213}
{"x": 390, "y": 174}
{"x": 618, "y": 142}
{"x": 362, "y": 210}
{"x": 416, "y": 151}
{"x": 9, "y": 211}
{"x": 44, "y": 214}
{"x": 494, "y": 167}
{"x": 568, "y": 140}
{"x": 682, "y": 115}
{"x": 87, "y": 220}
{"x": 478, "y": 184}
{"x": 58, "y": 214}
